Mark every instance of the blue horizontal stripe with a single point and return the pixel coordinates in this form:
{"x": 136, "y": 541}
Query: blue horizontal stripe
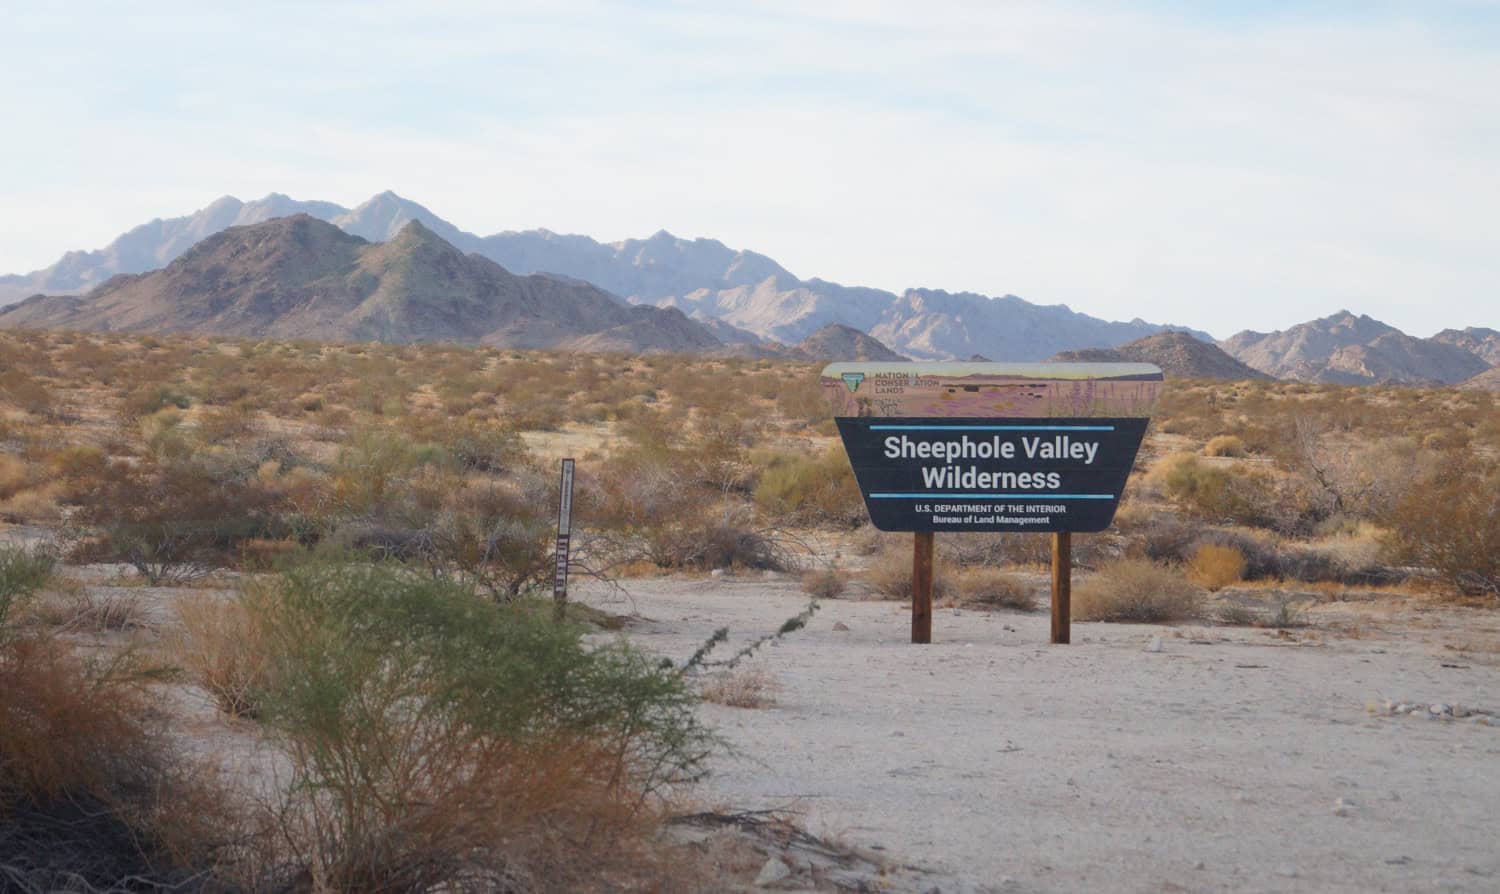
{"x": 993, "y": 496}
{"x": 992, "y": 428}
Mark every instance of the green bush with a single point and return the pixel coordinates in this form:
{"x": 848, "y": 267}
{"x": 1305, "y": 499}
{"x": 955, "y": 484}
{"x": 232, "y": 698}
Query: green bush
{"x": 23, "y": 571}
{"x": 433, "y": 733}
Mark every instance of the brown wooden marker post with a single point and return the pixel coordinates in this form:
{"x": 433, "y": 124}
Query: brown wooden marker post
{"x": 1062, "y": 586}
{"x": 921, "y": 587}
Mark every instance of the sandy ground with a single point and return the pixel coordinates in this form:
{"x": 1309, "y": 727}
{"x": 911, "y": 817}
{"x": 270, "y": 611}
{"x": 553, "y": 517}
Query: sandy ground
{"x": 1232, "y": 759}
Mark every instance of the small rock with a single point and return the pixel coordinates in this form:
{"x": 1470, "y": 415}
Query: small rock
{"x": 717, "y": 572}
{"x": 1200, "y": 865}
{"x": 1286, "y": 870}
{"x": 1155, "y": 645}
{"x": 775, "y": 870}
{"x": 1344, "y": 807}
{"x": 1439, "y": 709}
{"x": 841, "y": 626}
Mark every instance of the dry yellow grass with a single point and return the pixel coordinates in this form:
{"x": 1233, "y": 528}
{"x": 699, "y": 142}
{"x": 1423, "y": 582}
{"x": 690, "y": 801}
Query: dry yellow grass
{"x": 747, "y": 687}
{"x": 1214, "y": 567}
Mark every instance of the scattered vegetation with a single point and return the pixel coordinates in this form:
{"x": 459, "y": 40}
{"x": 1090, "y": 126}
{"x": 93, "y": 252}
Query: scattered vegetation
{"x": 1138, "y": 591}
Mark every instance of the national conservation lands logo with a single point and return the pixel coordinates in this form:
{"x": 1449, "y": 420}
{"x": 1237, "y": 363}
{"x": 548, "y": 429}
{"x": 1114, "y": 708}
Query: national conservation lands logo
{"x": 852, "y": 380}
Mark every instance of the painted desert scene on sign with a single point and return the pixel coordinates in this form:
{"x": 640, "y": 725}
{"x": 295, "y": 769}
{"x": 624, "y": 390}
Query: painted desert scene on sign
{"x": 905, "y": 448}
{"x": 1025, "y": 390}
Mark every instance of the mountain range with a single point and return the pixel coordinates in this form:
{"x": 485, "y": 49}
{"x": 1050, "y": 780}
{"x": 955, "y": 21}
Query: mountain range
{"x": 720, "y": 299}
{"x": 300, "y": 277}
{"x": 741, "y": 296}
{"x": 1346, "y": 349}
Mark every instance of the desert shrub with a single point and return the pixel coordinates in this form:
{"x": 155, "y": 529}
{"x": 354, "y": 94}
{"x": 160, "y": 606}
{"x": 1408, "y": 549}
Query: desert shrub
{"x": 889, "y": 574}
{"x": 498, "y": 536}
{"x": 223, "y": 649}
{"x": 746, "y": 687}
{"x": 1214, "y": 567}
{"x": 1159, "y": 536}
{"x": 1224, "y": 445}
{"x": 149, "y": 400}
{"x": 825, "y": 583}
{"x": 23, "y": 571}
{"x": 15, "y": 475}
{"x": 1452, "y": 525}
{"x": 820, "y": 487}
{"x": 1264, "y": 557}
{"x": 992, "y": 588}
{"x": 438, "y": 740}
{"x": 800, "y": 399}
{"x": 225, "y": 423}
{"x": 78, "y": 464}
{"x": 26, "y": 392}
{"x": 719, "y": 539}
{"x": 82, "y": 608}
{"x": 91, "y": 797}
{"x": 174, "y": 520}
{"x": 1221, "y": 495}
{"x": 369, "y": 476}
{"x": 1135, "y": 590}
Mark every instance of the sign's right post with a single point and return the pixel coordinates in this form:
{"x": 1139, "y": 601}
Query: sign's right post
{"x": 1062, "y": 586}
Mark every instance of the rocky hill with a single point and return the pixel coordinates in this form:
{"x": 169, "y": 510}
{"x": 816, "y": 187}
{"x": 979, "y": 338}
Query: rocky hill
{"x": 1353, "y": 350}
{"x": 1489, "y": 380}
{"x": 839, "y": 342}
{"x": 299, "y": 277}
{"x": 1180, "y": 356}
{"x": 1483, "y": 343}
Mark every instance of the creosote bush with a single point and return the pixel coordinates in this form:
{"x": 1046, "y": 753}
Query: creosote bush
{"x": 1135, "y": 590}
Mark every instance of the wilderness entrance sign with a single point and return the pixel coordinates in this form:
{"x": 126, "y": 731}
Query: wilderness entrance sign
{"x": 1017, "y": 447}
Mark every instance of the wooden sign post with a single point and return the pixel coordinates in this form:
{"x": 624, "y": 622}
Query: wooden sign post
{"x": 564, "y": 534}
{"x": 921, "y": 587}
{"x": 1062, "y": 586}
{"x": 1036, "y": 448}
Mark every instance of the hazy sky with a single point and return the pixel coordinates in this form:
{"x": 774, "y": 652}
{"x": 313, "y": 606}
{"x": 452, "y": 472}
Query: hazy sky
{"x": 1225, "y": 166}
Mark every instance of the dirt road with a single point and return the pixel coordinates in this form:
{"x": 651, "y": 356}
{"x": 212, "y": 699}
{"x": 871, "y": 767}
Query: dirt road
{"x": 1232, "y": 759}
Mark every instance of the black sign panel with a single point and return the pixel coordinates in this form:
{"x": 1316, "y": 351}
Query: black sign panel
{"x": 991, "y": 474}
